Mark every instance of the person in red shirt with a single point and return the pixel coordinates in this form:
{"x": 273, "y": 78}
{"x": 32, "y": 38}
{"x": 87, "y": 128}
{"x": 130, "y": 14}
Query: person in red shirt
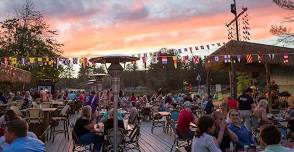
{"x": 185, "y": 118}
{"x": 133, "y": 98}
{"x": 232, "y": 103}
{"x": 82, "y": 97}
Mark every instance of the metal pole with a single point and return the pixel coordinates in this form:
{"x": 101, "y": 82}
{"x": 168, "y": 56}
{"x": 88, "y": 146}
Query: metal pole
{"x": 233, "y": 66}
{"x": 115, "y": 89}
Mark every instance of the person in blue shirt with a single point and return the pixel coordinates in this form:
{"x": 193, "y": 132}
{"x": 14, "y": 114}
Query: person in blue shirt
{"x": 244, "y": 136}
{"x": 72, "y": 96}
{"x": 2, "y": 98}
{"x": 16, "y": 136}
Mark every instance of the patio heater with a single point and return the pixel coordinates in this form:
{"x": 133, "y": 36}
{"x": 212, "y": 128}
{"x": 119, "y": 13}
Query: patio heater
{"x": 115, "y": 70}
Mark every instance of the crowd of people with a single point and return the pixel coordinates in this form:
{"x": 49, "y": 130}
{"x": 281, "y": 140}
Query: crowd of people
{"x": 230, "y": 125}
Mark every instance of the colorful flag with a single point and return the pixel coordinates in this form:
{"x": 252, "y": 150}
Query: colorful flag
{"x": 202, "y": 47}
{"x": 186, "y": 59}
{"x": 40, "y": 61}
{"x": 249, "y": 58}
{"x": 196, "y": 59}
{"x": 164, "y": 59}
{"x": 259, "y": 58}
{"x": 216, "y": 58}
{"x": 286, "y": 58}
{"x": 207, "y": 47}
{"x": 185, "y": 50}
{"x": 175, "y": 61}
{"x": 191, "y": 49}
{"x": 227, "y": 58}
{"x": 74, "y": 60}
{"x": 23, "y": 61}
{"x": 196, "y": 48}
{"x": 179, "y": 50}
{"x": 32, "y": 60}
{"x": 239, "y": 58}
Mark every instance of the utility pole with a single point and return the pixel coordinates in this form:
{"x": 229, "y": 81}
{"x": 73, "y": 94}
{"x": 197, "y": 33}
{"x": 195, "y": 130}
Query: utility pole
{"x": 233, "y": 82}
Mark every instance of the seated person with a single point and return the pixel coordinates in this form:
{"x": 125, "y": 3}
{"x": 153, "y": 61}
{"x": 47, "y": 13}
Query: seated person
{"x": 108, "y": 124}
{"x": 244, "y": 136}
{"x": 17, "y": 96}
{"x": 8, "y": 116}
{"x": 260, "y": 114}
{"x": 290, "y": 110}
{"x": 106, "y": 116}
{"x": 203, "y": 141}
{"x": 290, "y": 135}
{"x": 271, "y": 138}
{"x": 85, "y": 129}
{"x": 134, "y": 114}
{"x": 185, "y": 118}
{"x": 16, "y": 136}
{"x": 222, "y": 133}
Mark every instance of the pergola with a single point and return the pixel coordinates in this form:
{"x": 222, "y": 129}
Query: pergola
{"x": 14, "y": 75}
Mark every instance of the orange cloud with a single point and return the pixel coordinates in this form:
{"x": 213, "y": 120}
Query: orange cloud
{"x": 135, "y": 35}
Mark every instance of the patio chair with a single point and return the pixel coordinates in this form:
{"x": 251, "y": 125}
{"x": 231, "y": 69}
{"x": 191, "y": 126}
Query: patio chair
{"x": 179, "y": 141}
{"x": 34, "y": 116}
{"x": 45, "y": 105}
{"x": 110, "y": 140}
{"x": 61, "y": 117}
{"x": 77, "y": 146}
{"x": 157, "y": 120}
{"x": 132, "y": 140}
{"x": 172, "y": 120}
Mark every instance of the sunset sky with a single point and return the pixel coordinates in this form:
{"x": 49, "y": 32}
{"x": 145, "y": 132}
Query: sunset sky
{"x": 95, "y": 27}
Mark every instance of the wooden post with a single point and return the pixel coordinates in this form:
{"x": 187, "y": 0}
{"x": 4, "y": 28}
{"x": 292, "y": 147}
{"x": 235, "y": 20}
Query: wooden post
{"x": 268, "y": 83}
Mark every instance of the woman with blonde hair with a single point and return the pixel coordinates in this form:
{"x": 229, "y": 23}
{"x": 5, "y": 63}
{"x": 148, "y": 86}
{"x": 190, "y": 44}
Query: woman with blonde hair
{"x": 260, "y": 113}
{"x": 85, "y": 129}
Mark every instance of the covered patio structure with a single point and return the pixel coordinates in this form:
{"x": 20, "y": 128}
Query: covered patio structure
{"x": 259, "y": 61}
{"x": 13, "y": 75}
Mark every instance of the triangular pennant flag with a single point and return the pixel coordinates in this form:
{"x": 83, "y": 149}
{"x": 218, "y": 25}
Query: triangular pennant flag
{"x": 259, "y": 58}
{"x": 175, "y": 61}
{"x": 185, "y": 50}
{"x": 207, "y": 47}
{"x": 196, "y": 59}
{"x": 191, "y": 49}
{"x": 144, "y": 59}
{"x": 196, "y": 48}
{"x": 23, "y": 61}
{"x": 218, "y": 44}
{"x": 239, "y": 58}
{"x": 46, "y": 61}
{"x": 249, "y": 58}
{"x": 85, "y": 62}
{"x": 179, "y": 50}
{"x": 202, "y": 47}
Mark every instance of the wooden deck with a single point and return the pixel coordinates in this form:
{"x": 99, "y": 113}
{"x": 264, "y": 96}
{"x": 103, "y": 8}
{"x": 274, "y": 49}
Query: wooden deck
{"x": 156, "y": 142}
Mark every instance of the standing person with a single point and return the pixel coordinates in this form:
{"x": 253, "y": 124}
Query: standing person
{"x": 245, "y": 104}
{"x": 271, "y": 138}
{"x": 203, "y": 141}
{"x": 82, "y": 97}
{"x": 44, "y": 95}
{"x": 133, "y": 98}
{"x": 16, "y": 136}
{"x": 185, "y": 118}
{"x": 222, "y": 133}
{"x": 209, "y": 107}
{"x": 17, "y": 96}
